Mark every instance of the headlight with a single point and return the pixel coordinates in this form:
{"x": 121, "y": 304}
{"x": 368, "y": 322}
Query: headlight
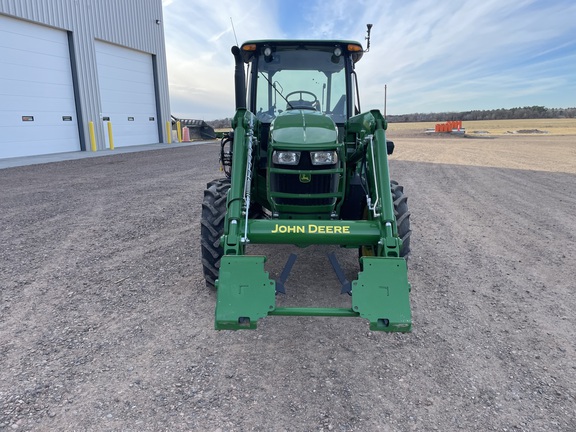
{"x": 285, "y": 157}
{"x": 324, "y": 157}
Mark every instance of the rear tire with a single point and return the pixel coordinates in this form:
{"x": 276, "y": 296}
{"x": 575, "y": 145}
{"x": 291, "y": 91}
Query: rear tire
{"x": 212, "y": 228}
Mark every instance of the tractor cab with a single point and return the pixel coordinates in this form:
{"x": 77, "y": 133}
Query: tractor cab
{"x": 315, "y": 76}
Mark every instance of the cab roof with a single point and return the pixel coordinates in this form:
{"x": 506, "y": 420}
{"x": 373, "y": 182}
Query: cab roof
{"x": 252, "y": 47}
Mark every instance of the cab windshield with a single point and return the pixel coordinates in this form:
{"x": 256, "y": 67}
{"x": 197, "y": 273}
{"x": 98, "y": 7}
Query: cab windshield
{"x": 300, "y": 78}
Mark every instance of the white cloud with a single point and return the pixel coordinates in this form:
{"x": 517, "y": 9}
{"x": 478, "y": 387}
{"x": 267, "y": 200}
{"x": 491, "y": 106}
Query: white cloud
{"x": 434, "y": 55}
{"x": 200, "y": 66}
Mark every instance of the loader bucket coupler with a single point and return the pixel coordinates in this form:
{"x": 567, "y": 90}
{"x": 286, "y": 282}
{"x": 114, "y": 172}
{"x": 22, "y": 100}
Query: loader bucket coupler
{"x": 246, "y": 294}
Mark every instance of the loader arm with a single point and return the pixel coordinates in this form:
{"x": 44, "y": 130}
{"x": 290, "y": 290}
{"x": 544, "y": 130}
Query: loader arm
{"x": 367, "y": 130}
{"x": 234, "y": 238}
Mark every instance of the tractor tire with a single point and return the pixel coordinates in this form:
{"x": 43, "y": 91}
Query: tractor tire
{"x": 212, "y": 228}
{"x": 402, "y": 217}
{"x": 402, "y": 222}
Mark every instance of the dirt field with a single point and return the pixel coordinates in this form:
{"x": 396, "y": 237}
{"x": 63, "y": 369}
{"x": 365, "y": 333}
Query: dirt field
{"x": 565, "y": 126}
{"x": 105, "y": 323}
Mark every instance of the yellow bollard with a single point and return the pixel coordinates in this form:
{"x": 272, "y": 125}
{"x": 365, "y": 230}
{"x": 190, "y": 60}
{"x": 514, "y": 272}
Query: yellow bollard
{"x": 110, "y": 136}
{"x": 169, "y": 132}
{"x": 92, "y": 136}
{"x": 179, "y": 130}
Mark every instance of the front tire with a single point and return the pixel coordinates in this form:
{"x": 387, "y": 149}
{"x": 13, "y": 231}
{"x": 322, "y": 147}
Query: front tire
{"x": 212, "y": 228}
{"x": 402, "y": 215}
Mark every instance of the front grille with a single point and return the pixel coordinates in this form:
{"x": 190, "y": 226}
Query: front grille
{"x": 291, "y": 183}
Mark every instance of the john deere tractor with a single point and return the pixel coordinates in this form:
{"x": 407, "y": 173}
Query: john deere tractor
{"x": 304, "y": 166}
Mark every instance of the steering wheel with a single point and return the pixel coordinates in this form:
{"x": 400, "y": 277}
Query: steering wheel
{"x": 314, "y": 104}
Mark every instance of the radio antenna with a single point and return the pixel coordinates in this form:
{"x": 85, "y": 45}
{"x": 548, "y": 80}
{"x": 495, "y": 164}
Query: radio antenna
{"x": 369, "y": 27}
{"x": 234, "y": 31}
{"x": 385, "y": 98}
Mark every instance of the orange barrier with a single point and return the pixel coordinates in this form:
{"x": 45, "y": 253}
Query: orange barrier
{"x": 448, "y": 126}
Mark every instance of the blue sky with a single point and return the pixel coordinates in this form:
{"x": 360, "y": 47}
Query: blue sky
{"x": 434, "y": 55}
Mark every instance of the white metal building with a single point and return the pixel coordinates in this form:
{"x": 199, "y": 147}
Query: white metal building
{"x": 66, "y": 63}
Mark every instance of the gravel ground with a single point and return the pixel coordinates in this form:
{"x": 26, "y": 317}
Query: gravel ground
{"x": 105, "y": 322}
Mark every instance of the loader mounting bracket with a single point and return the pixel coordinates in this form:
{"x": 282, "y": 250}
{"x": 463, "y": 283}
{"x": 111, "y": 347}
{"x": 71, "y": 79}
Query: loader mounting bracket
{"x": 245, "y": 292}
{"x": 381, "y": 294}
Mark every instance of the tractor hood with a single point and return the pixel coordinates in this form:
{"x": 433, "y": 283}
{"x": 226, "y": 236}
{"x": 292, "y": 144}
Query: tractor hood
{"x": 303, "y": 128}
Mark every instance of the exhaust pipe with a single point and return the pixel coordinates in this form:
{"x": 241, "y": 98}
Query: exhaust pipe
{"x": 239, "y": 79}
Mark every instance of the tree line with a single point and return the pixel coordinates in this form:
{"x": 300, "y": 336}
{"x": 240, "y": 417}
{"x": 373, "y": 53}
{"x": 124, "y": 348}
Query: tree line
{"x": 225, "y": 123}
{"x": 527, "y": 112}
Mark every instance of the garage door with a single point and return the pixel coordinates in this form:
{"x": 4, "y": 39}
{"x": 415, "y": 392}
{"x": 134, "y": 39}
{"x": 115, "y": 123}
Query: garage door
{"x": 127, "y": 95}
{"x": 37, "y": 106}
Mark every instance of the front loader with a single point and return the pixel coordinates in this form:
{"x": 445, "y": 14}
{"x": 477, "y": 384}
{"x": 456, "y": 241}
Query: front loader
{"x": 303, "y": 167}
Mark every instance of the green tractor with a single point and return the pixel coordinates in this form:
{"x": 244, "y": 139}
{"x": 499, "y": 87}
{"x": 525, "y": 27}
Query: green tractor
{"x": 304, "y": 166}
